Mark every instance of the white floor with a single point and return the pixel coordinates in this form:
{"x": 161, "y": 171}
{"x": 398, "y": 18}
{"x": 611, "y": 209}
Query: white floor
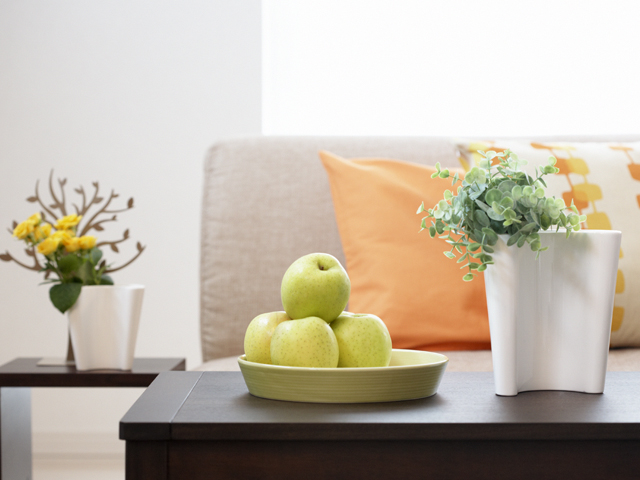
{"x": 78, "y": 469}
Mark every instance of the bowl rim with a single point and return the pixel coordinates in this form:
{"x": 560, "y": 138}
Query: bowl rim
{"x": 443, "y": 360}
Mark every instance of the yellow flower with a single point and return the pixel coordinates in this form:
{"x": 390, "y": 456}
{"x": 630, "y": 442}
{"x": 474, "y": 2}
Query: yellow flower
{"x": 70, "y": 221}
{"x": 35, "y": 219}
{"x": 48, "y": 245}
{"x": 23, "y": 229}
{"x": 71, "y": 244}
{"x": 42, "y": 232}
{"x": 87, "y": 242}
{"x": 61, "y": 235}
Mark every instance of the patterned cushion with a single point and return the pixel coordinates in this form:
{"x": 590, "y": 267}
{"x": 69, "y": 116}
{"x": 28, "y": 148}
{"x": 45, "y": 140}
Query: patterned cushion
{"x": 603, "y": 181}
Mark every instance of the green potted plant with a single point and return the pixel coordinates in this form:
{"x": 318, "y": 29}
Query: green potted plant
{"x": 60, "y": 247}
{"x": 549, "y": 314}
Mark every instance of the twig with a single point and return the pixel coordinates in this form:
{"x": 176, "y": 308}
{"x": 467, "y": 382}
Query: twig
{"x": 39, "y": 200}
{"x": 7, "y": 257}
{"x": 140, "y": 250}
{"x": 63, "y": 203}
{"x": 113, "y": 243}
{"x": 80, "y": 191}
{"x": 57, "y": 204}
{"x": 129, "y": 207}
{"x": 97, "y": 226}
{"x": 90, "y": 224}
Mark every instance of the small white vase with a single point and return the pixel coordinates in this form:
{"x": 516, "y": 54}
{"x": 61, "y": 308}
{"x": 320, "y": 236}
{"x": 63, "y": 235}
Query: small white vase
{"x": 550, "y": 318}
{"x": 104, "y": 326}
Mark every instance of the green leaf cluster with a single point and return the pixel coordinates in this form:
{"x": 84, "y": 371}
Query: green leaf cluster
{"x": 496, "y": 198}
{"x": 82, "y": 267}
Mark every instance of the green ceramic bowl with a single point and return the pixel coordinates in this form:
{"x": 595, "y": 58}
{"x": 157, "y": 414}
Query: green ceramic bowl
{"x": 411, "y": 374}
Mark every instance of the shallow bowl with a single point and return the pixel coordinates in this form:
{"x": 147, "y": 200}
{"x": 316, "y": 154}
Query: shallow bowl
{"x": 411, "y": 374}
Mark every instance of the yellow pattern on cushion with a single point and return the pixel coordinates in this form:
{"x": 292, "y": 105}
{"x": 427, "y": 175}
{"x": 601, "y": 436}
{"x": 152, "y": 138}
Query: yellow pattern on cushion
{"x": 603, "y": 181}
{"x": 616, "y": 321}
{"x": 396, "y": 272}
{"x": 620, "y": 282}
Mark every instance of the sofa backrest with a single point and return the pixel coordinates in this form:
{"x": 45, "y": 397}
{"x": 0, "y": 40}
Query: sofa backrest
{"x": 267, "y": 202}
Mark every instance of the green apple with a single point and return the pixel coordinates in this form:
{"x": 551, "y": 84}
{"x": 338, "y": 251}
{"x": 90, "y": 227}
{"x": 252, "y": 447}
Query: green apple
{"x": 257, "y": 339}
{"x": 363, "y": 340}
{"x": 315, "y": 285}
{"x": 307, "y": 342}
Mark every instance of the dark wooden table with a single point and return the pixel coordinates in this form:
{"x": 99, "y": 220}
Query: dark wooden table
{"x": 18, "y": 376}
{"x": 205, "y": 425}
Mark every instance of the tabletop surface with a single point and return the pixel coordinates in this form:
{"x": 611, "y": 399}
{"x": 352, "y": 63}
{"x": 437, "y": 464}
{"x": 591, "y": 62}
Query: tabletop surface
{"x": 25, "y": 372}
{"x": 218, "y": 406}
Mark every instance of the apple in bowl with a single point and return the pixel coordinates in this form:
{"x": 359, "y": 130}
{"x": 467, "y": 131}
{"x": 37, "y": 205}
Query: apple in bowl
{"x": 315, "y": 285}
{"x": 363, "y": 340}
{"x": 257, "y": 339}
{"x": 306, "y": 342}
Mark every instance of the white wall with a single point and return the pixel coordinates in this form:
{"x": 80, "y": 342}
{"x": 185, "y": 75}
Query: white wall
{"x": 130, "y": 94}
{"x": 456, "y": 67}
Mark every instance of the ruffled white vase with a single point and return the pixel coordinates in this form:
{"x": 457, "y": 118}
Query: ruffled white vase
{"x": 103, "y": 324}
{"x": 550, "y": 318}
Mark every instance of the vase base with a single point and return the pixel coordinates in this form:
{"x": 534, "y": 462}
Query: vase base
{"x": 548, "y": 390}
{"x": 104, "y": 369}
{"x": 55, "y": 362}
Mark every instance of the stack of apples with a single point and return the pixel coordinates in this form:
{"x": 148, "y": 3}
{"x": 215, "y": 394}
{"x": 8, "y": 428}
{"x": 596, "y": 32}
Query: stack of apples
{"x": 314, "y": 330}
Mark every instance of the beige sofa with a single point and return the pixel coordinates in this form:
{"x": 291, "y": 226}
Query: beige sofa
{"x": 266, "y": 202}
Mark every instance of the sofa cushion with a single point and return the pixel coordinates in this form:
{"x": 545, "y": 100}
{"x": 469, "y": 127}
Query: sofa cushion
{"x": 603, "y": 180}
{"x": 396, "y": 272}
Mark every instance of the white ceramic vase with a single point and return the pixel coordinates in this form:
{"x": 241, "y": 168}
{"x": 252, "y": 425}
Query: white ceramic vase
{"x": 104, "y": 326}
{"x": 550, "y": 318}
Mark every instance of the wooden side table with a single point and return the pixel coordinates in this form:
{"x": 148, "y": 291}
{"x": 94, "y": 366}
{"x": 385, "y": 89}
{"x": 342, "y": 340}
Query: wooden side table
{"x": 18, "y": 376}
{"x": 200, "y": 425}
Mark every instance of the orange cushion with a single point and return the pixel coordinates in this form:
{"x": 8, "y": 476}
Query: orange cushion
{"x": 396, "y": 272}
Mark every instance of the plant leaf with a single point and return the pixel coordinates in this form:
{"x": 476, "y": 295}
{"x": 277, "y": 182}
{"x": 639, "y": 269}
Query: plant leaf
{"x": 493, "y": 195}
{"x": 463, "y": 258}
{"x": 513, "y": 239}
{"x": 507, "y": 186}
{"x": 494, "y": 216}
{"x": 86, "y": 273}
{"x": 492, "y": 237}
{"x": 64, "y": 295}
{"x": 472, "y": 247}
{"x": 481, "y": 218}
{"x": 482, "y": 205}
{"x": 506, "y": 202}
{"x": 69, "y": 263}
{"x": 96, "y": 255}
